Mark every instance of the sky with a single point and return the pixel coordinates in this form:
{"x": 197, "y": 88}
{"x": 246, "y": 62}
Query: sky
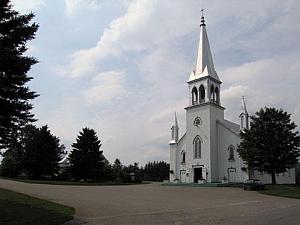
{"x": 121, "y": 66}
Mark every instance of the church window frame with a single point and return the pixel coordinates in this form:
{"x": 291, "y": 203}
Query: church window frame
{"x": 197, "y": 122}
{"x": 212, "y": 93}
{"x": 197, "y": 147}
{"x": 202, "y": 93}
{"x": 217, "y": 94}
{"x": 231, "y": 149}
{"x": 194, "y": 96}
{"x": 183, "y": 157}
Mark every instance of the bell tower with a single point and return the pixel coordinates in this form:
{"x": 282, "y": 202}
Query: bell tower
{"x": 204, "y": 83}
{"x": 205, "y": 106}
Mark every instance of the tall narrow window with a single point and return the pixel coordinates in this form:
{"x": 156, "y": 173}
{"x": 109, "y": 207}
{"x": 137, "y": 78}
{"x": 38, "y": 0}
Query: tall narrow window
{"x": 212, "y": 93}
{"x": 183, "y": 157}
{"x": 202, "y": 93}
{"x": 217, "y": 95}
{"x": 194, "y": 96}
{"x": 231, "y": 152}
{"x": 197, "y": 147}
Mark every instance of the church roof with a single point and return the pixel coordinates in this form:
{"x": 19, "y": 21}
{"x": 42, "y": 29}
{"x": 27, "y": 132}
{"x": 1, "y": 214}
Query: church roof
{"x": 233, "y": 127}
{"x": 204, "y": 64}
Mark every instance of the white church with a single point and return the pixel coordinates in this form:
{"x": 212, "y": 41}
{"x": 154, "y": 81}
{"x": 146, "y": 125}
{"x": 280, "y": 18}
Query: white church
{"x": 206, "y": 153}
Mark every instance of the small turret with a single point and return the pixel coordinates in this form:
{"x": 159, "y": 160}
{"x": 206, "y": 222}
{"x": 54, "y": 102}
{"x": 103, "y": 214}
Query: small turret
{"x": 244, "y": 115}
{"x": 175, "y": 130}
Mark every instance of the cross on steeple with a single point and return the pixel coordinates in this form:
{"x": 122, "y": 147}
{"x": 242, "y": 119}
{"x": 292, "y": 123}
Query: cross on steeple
{"x": 202, "y": 18}
{"x": 202, "y": 11}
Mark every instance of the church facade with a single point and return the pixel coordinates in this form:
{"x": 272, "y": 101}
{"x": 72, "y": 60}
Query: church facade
{"x": 207, "y": 151}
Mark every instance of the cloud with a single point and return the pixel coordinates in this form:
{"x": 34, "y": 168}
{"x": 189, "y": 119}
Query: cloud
{"x": 271, "y": 82}
{"x": 105, "y": 87}
{"x": 27, "y": 6}
{"x": 136, "y": 31}
{"x": 72, "y": 5}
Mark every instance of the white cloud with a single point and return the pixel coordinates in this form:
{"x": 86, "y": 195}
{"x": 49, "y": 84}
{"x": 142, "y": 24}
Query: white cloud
{"x": 23, "y": 6}
{"x": 142, "y": 28}
{"x": 72, "y": 5}
{"x": 271, "y": 82}
{"x": 105, "y": 86}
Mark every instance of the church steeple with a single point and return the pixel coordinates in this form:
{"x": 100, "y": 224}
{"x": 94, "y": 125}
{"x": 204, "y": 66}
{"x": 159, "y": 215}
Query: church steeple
{"x": 204, "y": 82}
{"x": 244, "y": 115}
{"x": 175, "y": 130}
{"x": 204, "y": 64}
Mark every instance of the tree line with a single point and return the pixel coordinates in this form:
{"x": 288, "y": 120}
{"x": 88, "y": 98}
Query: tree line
{"x": 38, "y": 154}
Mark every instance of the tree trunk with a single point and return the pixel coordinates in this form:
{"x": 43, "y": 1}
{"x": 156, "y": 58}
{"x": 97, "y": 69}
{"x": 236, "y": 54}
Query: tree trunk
{"x": 273, "y": 178}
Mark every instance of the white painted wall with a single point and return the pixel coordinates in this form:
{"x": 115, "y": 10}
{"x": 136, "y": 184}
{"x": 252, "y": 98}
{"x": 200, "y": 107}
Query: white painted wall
{"x": 226, "y": 139}
{"x": 203, "y": 131}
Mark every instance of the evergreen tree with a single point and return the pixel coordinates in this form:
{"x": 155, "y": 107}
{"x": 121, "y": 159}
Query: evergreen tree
{"x": 117, "y": 169}
{"x": 15, "y": 31}
{"x": 11, "y": 165}
{"x": 41, "y": 152}
{"x": 87, "y": 160}
{"x": 156, "y": 171}
{"x": 271, "y": 145}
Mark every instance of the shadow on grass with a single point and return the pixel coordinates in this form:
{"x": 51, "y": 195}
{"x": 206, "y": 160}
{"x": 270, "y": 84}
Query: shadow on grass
{"x": 288, "y": 191}
{"x": 20, "y": 209}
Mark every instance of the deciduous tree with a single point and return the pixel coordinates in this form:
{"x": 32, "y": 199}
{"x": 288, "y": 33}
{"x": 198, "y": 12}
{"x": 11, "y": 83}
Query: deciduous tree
{"x": 272, "y": 144}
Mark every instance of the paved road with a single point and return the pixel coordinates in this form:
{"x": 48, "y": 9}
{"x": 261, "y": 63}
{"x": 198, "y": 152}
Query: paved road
{"x": 154, "y": 204}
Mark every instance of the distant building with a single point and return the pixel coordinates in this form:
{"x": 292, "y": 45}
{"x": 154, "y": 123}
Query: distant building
{"x": 207, "y": 151}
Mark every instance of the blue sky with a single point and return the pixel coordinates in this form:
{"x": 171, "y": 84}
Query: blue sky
{"x": 121, "y": 66}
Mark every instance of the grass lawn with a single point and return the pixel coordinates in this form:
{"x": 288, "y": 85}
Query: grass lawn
{"x": 20, "y": 209}
{"x": 289, "y": 191}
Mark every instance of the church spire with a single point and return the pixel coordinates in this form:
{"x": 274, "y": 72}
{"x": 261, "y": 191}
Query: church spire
{"x": 204, "y": 64}
{"x": 244, "y": 115}
{"x": 175, "y": 130}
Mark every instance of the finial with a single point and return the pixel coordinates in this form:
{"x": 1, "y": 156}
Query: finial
{"x": 202, "y": 18}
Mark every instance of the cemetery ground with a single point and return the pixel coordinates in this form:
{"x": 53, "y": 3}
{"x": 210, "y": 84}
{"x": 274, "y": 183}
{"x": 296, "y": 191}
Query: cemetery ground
{"x": 151, "y": 204}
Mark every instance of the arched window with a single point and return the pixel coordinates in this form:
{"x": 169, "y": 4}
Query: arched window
{"x": 212, "y": 93}
{"x": 197, "y": 147}
{"x": 194, "y": 96}
{"x": 202, "y": 93}
{"x": 231, "y": 152}
{"x": 217, "y": 95}
{"x": 183, "y": 157}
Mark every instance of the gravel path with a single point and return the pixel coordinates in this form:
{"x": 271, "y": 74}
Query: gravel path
{"x": 153, "y": 204}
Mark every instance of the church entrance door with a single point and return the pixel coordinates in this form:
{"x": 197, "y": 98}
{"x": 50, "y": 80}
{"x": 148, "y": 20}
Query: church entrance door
{"x": 197, "y": 174}
{"x": 182, "y": 176}
{"x": 231, "y": 175}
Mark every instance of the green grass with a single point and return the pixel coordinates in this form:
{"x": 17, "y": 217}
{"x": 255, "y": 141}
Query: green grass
{"x": 289, "y": 191}
{"x": 20, "y": 209}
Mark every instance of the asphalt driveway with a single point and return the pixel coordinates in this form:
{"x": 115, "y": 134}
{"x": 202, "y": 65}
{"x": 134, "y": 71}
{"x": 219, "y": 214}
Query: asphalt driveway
{"x": 153, "y": 204}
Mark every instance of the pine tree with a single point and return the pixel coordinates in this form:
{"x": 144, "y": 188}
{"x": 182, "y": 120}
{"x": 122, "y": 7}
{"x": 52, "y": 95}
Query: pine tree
{"x": 15, "y": 31}
{"x": 271, "y": 145}
{"x": 86, "y": 158}
{"x": 41, "y": 152}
